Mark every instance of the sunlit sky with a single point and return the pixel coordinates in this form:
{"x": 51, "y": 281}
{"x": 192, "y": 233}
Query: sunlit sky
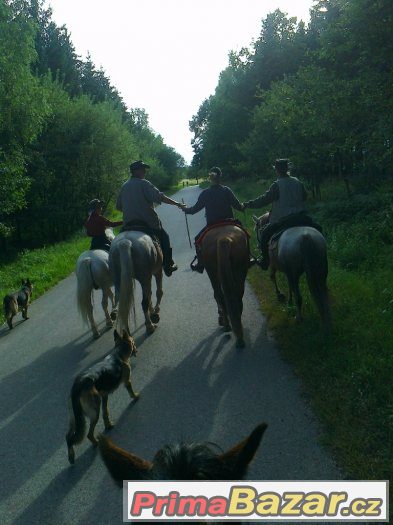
{"x": 166, "y": 55}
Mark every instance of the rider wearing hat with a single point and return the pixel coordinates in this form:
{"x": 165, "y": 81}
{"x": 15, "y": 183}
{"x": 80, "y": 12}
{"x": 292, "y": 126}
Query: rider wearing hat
{"x": 136, "y": 200}
{"x": 287, "y": 195}
{"x": 96, "y": 225}
{"x": 218, "y": 202}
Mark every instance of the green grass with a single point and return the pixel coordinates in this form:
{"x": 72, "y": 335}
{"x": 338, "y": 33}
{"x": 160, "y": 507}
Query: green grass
{"x": 348, "y": 375}
{"x": 45, "y": 267}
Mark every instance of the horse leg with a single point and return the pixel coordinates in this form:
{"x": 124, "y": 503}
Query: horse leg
{"x": 298, "y": 298}
{"x": 146, "y": 306}
{"x": 104, "y": 303}
{"x": 94, "y": 328}
{"x": 113, "y": 314}
{"x": 223, "y": 319}
{"x": 279, "y": 294}
{"x": 155, "y": 315}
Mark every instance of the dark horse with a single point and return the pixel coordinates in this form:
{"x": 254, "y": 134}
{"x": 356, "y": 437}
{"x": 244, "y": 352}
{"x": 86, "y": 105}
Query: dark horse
{"x": 225, "y": 255}
{"x": 300, "y": 249}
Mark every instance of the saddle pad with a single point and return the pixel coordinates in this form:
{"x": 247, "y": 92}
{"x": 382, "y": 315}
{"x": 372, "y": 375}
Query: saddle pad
{"x": 142, "y": 229}
{"x": 227, "y": 222}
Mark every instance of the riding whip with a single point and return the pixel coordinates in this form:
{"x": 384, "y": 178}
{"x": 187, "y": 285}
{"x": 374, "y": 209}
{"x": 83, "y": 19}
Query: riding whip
{"x": 188, "y": 230}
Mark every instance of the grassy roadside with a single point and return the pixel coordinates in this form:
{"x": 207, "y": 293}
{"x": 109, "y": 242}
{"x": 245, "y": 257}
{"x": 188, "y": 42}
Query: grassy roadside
{"x": 348, "y": 376}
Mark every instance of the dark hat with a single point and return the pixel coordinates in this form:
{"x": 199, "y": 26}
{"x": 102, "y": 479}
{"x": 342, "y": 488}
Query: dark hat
{"x": 94, "y": 204}
{"x": 281, "y": 165}
{"x": 216, "y": 170}
{"x": 137, "y": 165}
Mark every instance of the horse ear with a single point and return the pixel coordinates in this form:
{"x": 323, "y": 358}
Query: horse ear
{"x": 238, "y": 457}
{"x": 255, "y": 218}
{"x": 116, "y": 336}
{"x": 121, "y": 464}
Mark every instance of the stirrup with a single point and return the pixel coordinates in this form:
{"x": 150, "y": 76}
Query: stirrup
{"x": 263, "y": 263}
{"x": 196, "y": 267}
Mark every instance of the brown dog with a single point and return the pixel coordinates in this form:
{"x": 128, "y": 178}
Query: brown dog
{"x": 93, "y": 386}
{"x": 16, "y": 301}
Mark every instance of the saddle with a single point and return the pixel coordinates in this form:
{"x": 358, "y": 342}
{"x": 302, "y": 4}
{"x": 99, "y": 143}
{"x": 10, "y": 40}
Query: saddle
{"x": 298, "y": 219}
{"x": 144, "y": 228}
{"x": 225, "y": 222}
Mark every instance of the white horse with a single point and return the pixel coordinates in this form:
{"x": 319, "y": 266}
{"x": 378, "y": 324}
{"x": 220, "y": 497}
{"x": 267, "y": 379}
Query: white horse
{"x": 134, "y": 255}
{"x": 92, "y": 272}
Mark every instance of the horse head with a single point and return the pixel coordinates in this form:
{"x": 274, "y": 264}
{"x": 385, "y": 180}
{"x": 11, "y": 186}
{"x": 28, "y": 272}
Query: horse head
{"x": 192, "y": 461}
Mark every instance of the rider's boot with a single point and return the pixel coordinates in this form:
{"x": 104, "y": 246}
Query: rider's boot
{"x": 168, "y": 264}
{"x": 263, "y": 262}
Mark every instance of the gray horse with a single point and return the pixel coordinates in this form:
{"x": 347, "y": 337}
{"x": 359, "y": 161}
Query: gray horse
{"x": 300, "y": 249}
{"x": 134, "y": 255}
{"x": 92, "y": 271}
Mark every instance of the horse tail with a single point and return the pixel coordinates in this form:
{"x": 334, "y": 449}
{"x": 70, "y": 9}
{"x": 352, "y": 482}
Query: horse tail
{"x": 85, "y": 285}
{"x": 127, "y": 285}
{"x": 228, "y": 282}
{"x": 316, "y": 267}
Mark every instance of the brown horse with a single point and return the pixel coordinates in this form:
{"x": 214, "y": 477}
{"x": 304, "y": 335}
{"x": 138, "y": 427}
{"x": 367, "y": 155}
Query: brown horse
{"x": 300, "y": 249}
{"x": 225, "y": 255}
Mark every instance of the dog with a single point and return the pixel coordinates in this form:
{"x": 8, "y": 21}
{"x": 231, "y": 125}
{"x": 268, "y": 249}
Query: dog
{"x": 16, "y": 301}
{"x": 93, "y": 386}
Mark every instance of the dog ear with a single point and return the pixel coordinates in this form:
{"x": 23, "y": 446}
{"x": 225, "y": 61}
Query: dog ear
{"x": 116, "y": 336}
{"x": 122, "y": 465}
{"x": 238, "y": 457}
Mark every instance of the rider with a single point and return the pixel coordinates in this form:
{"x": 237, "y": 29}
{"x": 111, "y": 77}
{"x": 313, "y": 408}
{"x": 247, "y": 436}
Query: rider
{"x": 218, "y": 202}
{"x": 136, "y": 200}
{"x": 287, "y": 196}
{"x": 96, "y": 225}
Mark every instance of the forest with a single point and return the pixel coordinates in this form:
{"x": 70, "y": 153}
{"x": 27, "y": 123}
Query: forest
{"x": 320, "y": 94}
{"x": 66, "y": 135}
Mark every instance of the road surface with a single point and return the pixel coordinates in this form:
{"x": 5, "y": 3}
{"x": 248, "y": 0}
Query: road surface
{"x": 194, "y": 385}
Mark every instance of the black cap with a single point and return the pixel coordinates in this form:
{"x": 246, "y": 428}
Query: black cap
{"x": 282, "y": 165}
{"x": 216, "y": 170}
{"x": 137, "y": 165}
{"x": 94, "y": 204}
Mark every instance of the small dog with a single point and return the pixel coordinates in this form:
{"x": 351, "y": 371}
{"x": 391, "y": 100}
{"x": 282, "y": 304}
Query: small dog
{"x": 18, "y": 300}
{"x": 93, "y": 386}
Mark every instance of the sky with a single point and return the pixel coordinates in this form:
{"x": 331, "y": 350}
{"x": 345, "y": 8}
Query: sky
{"x": 166, "y": 55}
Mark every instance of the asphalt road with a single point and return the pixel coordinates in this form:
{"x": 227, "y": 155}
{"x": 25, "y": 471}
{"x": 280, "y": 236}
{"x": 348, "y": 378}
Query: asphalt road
{"x": 194, "y": 385}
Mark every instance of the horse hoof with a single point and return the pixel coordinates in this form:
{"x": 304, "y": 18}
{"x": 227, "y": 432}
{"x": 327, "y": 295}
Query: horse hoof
{"x": 155, "y": 317}
{"x": 240, "y": 343}
{"x": 109, "y": 324}
{"x": 96, "y": 335}
{"x": 113, "y": 315}
{"x": 150, "y": 329}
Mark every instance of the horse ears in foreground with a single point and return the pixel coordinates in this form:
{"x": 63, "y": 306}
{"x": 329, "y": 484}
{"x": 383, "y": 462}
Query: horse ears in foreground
{"x": 238, "y": 457}
{"x": 123, "y": 465}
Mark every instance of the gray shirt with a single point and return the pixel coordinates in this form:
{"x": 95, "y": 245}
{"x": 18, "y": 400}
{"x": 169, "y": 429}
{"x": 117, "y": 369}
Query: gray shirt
{"x": 218, "y": 202}
{"x": 136, "y": 200}
{"x": 287, "y": 196}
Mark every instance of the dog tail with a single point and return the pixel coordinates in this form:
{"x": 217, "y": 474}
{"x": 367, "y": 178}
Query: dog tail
{"x": 77, "y": 427}
{"x": 85, "y": 286}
